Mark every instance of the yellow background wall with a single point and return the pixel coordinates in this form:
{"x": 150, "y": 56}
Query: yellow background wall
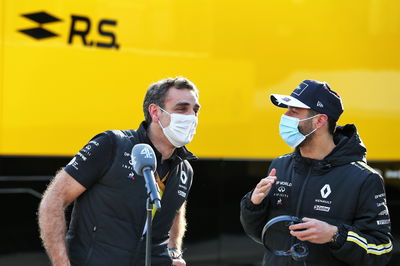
{"x": 56, "y": 95}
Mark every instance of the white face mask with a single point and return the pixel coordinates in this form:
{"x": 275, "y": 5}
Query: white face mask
{"x": 181, "y": 129}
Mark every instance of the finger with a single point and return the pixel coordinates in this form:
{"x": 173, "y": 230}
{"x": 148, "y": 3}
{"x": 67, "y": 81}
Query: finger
{"x": 273, "y": 172}
{"x": 264, "y": 185}
{"x": 301, "y": 235}
{"x": 300, "y": 226}
{"x": 265, "y": 182}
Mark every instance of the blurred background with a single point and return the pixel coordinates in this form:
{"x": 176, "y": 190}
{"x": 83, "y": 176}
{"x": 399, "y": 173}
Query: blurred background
{"x": 70, "y": 69}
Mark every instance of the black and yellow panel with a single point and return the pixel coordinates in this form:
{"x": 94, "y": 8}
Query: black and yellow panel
{"x": 70, "y": 69}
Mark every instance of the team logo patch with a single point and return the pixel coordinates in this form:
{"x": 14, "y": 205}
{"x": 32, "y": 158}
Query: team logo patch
{"x": 325, "y": 191}
{"x": 184, "y": 177}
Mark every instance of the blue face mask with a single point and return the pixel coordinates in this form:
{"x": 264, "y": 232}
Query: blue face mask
{"x": 289, "y": 130}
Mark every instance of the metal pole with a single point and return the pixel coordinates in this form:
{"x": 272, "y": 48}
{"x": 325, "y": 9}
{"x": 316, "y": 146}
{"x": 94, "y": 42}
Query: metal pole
{"x": 149, "y": 207}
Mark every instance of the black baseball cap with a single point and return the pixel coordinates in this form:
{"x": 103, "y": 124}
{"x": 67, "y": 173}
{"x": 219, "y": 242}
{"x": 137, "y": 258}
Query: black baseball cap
{"x": 312, "y": 94}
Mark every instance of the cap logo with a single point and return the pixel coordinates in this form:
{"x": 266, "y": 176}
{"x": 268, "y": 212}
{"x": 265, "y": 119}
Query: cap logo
{"x": 286, "y": 99}
{"x": 299, "y": 90}
{"x": 319, "y": 104}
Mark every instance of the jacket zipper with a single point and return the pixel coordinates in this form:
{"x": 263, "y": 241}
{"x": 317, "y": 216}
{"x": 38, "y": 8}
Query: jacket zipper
{"x": 303, "y": 187}
{"x": 302, "y": 193}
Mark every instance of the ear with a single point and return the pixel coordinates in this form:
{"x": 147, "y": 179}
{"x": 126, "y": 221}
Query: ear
{"x": 321, "y": 120}
{"x": 154, "y": 112}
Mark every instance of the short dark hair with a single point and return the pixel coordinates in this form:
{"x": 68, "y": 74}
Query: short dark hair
{"x": 331, "y": 121}
{"x": 157, "y": 92}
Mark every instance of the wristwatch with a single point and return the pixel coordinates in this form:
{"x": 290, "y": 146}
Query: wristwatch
{"x": 335, "y": 236}
{"x": 175, "y": 253}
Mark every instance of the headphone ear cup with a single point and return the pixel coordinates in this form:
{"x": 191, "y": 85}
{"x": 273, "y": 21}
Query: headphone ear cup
{"x": 299, "y": 251}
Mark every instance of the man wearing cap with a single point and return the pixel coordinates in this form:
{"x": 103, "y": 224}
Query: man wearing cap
{"x": 325, "y": 182}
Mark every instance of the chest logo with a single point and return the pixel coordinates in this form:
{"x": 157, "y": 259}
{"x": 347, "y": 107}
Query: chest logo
{"x": 184, "y": 177}
{"x": 325, "y": 191}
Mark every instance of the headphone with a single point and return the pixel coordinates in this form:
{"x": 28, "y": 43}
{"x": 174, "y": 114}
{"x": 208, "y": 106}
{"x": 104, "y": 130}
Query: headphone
{"x": 298, "y": 251}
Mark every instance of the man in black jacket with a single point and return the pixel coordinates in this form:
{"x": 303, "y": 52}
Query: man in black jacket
{"x": 325, "y": 182}
{"x": 108, "y": 223}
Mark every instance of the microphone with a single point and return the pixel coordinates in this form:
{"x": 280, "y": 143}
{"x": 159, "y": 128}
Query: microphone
{"x": 144, "y": 164}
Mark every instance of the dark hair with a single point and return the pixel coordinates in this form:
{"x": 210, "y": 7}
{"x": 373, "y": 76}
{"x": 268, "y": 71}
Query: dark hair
{"x": 157, "y": 91}
{"x": 331, "y": 122}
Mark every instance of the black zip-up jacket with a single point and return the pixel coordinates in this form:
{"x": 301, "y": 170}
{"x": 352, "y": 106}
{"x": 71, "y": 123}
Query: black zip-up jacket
{"x": 108, "y": 219}
{"x": 341, "y": 190}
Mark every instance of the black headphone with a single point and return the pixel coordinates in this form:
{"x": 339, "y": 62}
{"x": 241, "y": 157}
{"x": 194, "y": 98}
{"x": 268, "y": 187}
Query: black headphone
{"x": 298, "y": 251}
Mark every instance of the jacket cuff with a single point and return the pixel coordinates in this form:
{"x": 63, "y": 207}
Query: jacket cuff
{"x": 339, "y": 241}
{"x": 250, "y": 205}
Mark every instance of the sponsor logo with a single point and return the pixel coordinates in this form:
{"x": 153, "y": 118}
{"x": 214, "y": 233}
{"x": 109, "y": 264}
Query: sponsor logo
{"x": 184, "y": 177}
{"x": 319, "y": 104}
{"x": 286, "y": 99}
{"x": 127, "y": 166}
{"x": 384, "y": 213}
{"x": 281, "y": 189}
{"x": 279, "y": 202}
{"x": 325, "y": 191}
{"x": 383, "y": 222}
{"x": 181, "y": 193}
{"x": 131, "y": 176}
{"x": 74, "y": 163}
{"x": 39, "y": 32}
{"x": 94, "y": 142}
{"x": 283, "y": 183}
{"x": 321, "y": 208}
{"x": 300, "y": 89}
{"x": 146, "y": 152}
{"x": 82, "y": 156}
{"x": 380, "y": 196}
{"x": 323, "y": 201}
{"x": 281, "y": 195}
{"x": 381, "y": 203}
{"x": 183, "y": 187}
{"x": 80, "y": 28}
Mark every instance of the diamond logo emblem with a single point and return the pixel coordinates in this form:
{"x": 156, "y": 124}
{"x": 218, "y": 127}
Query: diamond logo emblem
{"x": 39, "y": 32}
{"x": 325, "y": 191}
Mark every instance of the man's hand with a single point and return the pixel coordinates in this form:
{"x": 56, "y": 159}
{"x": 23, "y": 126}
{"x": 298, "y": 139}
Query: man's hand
{"x": 263, "y": 187}
{"x": 313, "y": 230}
{"x": 178, "y": 262}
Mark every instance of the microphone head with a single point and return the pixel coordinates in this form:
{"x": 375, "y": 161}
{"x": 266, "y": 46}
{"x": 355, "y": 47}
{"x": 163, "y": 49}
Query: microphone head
{"x": 143, "y": 156}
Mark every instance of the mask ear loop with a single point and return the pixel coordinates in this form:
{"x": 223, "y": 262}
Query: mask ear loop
{"x": 159, "y": 120}
{"x": 315, "y": 129}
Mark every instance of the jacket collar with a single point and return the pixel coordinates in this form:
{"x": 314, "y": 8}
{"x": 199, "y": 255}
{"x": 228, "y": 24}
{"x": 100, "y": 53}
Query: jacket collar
{"x": 349, "y": 148}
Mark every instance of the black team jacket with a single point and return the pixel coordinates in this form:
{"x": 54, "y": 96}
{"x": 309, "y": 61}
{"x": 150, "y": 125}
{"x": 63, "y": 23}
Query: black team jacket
{"x": 341, "y": 190}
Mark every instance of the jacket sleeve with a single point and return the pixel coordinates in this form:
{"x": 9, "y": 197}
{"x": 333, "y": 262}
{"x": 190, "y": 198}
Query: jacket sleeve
{"x": 253, "y": 217}
{"x": 368, "y": 240}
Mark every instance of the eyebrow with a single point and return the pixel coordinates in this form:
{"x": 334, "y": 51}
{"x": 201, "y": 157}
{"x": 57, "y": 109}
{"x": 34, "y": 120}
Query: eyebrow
{"x": 186, "y": 104}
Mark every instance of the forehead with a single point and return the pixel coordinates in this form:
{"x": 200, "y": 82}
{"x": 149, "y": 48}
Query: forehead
{"x": 175, "y": 96}
{"x": 298, "y": 109}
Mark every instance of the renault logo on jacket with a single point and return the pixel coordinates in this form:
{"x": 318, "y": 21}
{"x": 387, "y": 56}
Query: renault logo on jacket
{"x": 325, "y": 191}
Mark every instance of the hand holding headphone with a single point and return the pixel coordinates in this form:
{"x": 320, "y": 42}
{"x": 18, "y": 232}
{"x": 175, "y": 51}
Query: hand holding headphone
{"x": 298, "y": 251}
